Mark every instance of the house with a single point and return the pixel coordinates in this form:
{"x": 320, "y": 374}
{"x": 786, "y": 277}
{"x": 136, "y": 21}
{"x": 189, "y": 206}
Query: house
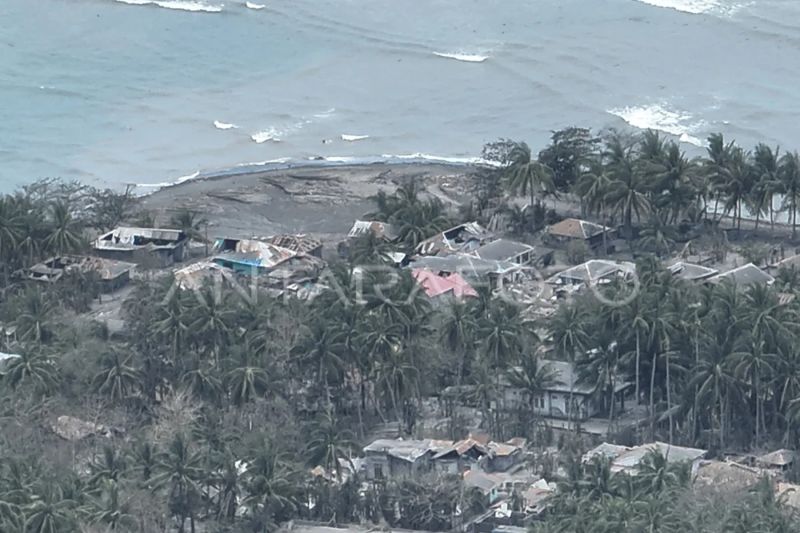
{"x": 489, "y": 484}
{"x": 628, "y": 459}
{"x": 461, "y": 456}
{"x": 536, "y": 496}
{"x": 471, "y": 268}
{"x": 301, "y": 244}
{"x": 779, "y": 459}
{"x": 161, "y": 247}
{"x": 503, "y": 456}
{"x": 194, "y": 276}
{"x": 274, "y": 266}
{"x": 449, "y": 285}
{"x": 744, "y": 276}
{"x": 506, "y": 250}
{"x": 111, "y": 274}
{"x": 553, "y": 401}
{"x": 727, "y": 475}
{"x": 466, "y": 238}
{"x": 575, "y": 229}
{"x": 593, "y": 272}
{"x": 382, "y": 230}
{"x": 391, "y": 458}
{"x": 691, "y": 271}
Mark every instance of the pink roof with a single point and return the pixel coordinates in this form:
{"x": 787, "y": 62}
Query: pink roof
{"x": 435, "y": 285}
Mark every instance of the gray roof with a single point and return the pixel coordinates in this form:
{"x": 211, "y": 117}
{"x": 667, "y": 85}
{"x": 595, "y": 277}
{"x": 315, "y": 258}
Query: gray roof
{"x": 691, "y": 272}
{"x": 593, "y": 271}
{"x": 407, "y": 450}
{"x": 464, "y": 264}
{"x": 502, "y": 250}
{"x": 748, "y": 274}
{"x": 124, "y": 238}
{"x": 672, "y": 453}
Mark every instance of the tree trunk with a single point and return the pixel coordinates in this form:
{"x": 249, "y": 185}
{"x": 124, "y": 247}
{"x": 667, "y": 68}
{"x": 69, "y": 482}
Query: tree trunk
{"x": 638, "y": 356}
{"x": 669, "y": 399}
{"x": 652, "y": 404}
{"x": 758, "y": 216}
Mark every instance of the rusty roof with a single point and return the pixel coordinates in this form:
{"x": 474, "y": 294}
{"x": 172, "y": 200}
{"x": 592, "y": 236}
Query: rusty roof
{"x": 576, "y": 228}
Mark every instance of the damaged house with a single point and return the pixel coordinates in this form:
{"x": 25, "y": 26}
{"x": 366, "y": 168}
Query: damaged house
{"x": 278, "y": 265}
{"x": 159, "y": 247}
{"x": 301, "y": 244}
{"x": 466, "y": 238}
{"x": 575, "y": 229}
{"x": 111, "y": 274}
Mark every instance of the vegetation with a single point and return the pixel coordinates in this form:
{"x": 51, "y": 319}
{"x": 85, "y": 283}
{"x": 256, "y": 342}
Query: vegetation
{"x": 223, "y": 402}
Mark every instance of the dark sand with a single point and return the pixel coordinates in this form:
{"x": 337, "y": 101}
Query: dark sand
{"x": 322, "y": 201}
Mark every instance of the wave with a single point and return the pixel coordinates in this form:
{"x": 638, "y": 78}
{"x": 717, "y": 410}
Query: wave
{"x": 661, "y": 118}
{"x": 181, "y": 5}
{"x": 269, "y": 134}
{"x": 326, "y": 114}
{"x": 696, "y": 7}
{"x": 438, "y": 158}
{"x": 178, "y": 181}
{"x": 280, "y": 160}
{"x": 224, "y": 125}
{"x": 469, "y": 58}
{"x": 351, "y": 138}
{"x": 251, "y": 5}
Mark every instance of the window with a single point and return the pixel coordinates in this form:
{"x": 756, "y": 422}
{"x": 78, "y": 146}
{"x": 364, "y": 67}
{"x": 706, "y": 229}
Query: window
{"x": 538, "y": 402}
{"x": 378, "y": 471}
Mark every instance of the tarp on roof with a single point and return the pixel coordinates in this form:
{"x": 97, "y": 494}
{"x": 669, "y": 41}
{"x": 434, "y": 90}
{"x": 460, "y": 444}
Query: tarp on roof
{"x": 435, "y": 285}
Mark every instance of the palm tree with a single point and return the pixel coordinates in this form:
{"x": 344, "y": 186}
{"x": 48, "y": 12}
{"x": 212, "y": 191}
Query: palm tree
{"x": 768, "y": 183}
{"x": 204, "y": 382}
{"x": 533, "y": 377}
{"x": 627, "y": 189}
{"x": 323, "y": 349}
{"x": 191, "y": 223}
{"x": 209, "y": 322}
{"x": 10, "y": 229}
{"x": 789, "y": 175}
{"x": 117, "y": 379}
{"x": 33, "y": 368}
{"x": 369, "y": 249}
{"x": 456, "y": 333}
{"x": 110, "y": 466}
{"x": 247, "y": 380}
{"x": 713, "y": 377}
{"x": 49, "y": 511}
{"x": 568, "y": 332}
{"x": 64, "y": 231}
{"x": 34, "y": 312}
{"x": 179, "y": 471}
{"x": 674, "y": 182}
{"x": 143, "y": 459}
{"x": 268, "y": 480}
{"x": 329, "y": 444}
{"x": 525, "y": 174}
{"x": 110, "y": 509}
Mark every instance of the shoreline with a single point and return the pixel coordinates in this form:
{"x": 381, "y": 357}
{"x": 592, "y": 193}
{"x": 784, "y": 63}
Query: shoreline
{"x": 283, "y": 164}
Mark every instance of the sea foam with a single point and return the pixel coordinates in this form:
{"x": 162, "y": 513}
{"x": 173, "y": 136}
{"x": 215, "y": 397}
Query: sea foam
{"x": 181, "y": 5}
{"x": 269, "y": 134}
{"x": 251, "y": 5}
{"x": 660, "y": 117}
{"x": 351, "y": 138}
{"x": 696, "y": 7}
{"x": 469, "y": 58}
{"x": 224, "y": 125}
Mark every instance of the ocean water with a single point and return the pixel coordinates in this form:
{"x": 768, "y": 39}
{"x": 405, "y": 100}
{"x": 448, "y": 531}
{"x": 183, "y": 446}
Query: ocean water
{"x": 153, "y": 91}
